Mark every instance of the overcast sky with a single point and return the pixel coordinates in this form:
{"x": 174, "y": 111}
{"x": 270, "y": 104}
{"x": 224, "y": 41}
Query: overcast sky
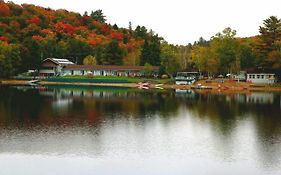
{"x": 178, "y": 21}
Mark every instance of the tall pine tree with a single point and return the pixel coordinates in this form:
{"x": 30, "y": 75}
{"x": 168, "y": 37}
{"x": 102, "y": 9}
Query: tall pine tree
{"x": 113, "y": 54}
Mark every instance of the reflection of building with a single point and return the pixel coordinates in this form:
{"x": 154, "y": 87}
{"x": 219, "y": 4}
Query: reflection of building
{"x": 262, "y": 78}
{"x": 240, "y": 98}
{"x": 57, "y": 67}
{"x": 187, "y": 94}
{"x": 260, "y": 98}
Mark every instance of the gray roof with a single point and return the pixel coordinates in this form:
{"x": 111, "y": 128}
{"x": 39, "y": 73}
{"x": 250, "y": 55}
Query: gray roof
{"x": 59, "y": 61}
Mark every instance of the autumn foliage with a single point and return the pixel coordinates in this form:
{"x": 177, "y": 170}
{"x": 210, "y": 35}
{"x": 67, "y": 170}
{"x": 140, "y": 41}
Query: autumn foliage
{"x": 4, "y": 9}
{"x": 37, "y": 38}
{"x": 35, "y": 20}
{"x": 4, "y": 38}
{"x": 117, "y": 35}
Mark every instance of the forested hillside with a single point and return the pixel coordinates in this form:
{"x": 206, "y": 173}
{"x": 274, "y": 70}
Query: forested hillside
{"x": 225, "y": 53}
{"x": 29, "y": 34}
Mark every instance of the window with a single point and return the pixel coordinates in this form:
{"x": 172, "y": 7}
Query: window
{"x": 258, "y": 76}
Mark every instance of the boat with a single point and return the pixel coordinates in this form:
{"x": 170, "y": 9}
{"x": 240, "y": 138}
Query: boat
{"x": 186, "y": 78}
{"x": 33, "y": 82}
{"x": 143, "y": 85}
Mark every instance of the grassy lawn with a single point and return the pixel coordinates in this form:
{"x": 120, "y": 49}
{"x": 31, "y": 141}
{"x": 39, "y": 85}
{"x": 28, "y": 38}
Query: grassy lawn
{"x": 109, "y": 79}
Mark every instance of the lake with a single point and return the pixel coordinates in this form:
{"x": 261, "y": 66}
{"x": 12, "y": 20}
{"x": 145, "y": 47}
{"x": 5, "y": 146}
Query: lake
{"x": 102, "y": 130}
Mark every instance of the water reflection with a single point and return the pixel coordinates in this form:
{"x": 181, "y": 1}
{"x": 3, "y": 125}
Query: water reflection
{"x": 237, "y": 131}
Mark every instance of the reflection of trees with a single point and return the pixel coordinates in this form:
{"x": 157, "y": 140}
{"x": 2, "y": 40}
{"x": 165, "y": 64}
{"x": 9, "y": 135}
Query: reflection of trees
{"x": 92, "y": 106}
{"x": 18, "y": 107}
{"x": 76, "y": 105}
{"x": 225, "y": 112}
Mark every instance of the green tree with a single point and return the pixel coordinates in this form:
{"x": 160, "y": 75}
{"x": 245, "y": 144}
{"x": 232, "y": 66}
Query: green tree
{"x": 141, "y": 32}
{"x": 201, "y": 42}
{"x": 31, "y": 54}
{"x": 155, "y": 51}
{"x": 274, "y": 60}
{"x": 9, "y": 59}
{"x": 170, "y": 59}
{"x": 151, "y": 52}
{"x": 130, "y": 26}
{"x": 98, "y": 15}
{"x": 78, "y": 49}
{"x": 62, "y": 49}
{"x": 132, "y": 58}
{"x": 113, "y": 54}
{"x": 247, "y": 56}
{"x": 145, "y": 53}
{"x": 99, "y": 52}
{"x": 148, "y": 69}
{"x": 270, "y": 32}
{"x": 90, "y": 60}
{"x": 205, "y": 59}
{"x": 226, "y": 48}
{"x": 269, "y": 48}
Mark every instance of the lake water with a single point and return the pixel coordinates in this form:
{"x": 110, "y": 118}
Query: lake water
{"x": 72, "y": 130}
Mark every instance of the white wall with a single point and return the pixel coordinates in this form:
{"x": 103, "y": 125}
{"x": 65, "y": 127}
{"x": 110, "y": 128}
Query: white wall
{"x": 260, "y": 78}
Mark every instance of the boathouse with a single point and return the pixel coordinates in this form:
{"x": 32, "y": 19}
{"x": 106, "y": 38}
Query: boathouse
{"x": 53, "y": 67}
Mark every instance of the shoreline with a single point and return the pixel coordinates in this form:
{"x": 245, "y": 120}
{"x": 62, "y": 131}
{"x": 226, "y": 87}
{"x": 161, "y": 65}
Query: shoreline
{"x": 214, "y": 87}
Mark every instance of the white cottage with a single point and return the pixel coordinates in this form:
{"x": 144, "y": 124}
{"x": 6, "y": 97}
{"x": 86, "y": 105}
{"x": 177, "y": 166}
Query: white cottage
{"x": 261, "y": 78}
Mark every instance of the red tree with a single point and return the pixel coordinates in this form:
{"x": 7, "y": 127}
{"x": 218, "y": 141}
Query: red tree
{"x": 104, "y": 29}
{"x": 4, "y": 26}
{"x": 131, "y": 47}
{"x": 4, "y": 38}
{"x": 64, "y": 28}
{"x": 4, "y": 9}
{"x": 117, "y": 35}
{"x": 93, "y": 43}
{"x": 37, "y": 38}
{"x": 35, "y": 20}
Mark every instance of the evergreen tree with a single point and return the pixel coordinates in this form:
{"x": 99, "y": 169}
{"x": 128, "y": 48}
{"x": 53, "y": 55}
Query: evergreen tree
{"x": 99, "y": 54}
{"x": 98, "y": 15}
{"x": 130, "y": 26}
{"x": 9, "y": 59}
{"x": 145, "y": 53}
{"x": 141, "y": 32}
{"x": 113, "y": 54}
{"x": 270, "y": 32}
{"x": 85, "y": 13}
{"x": 155, "y": 52}
{"x": 269, "y": 48}
{"x": 115, "y": 27}
{"x": 151, "y": 52}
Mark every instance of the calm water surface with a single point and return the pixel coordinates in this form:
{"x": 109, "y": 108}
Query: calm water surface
{"x": 72, "y": 130}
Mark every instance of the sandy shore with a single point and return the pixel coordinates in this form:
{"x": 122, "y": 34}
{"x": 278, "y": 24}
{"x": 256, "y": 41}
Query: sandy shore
{"x": 200, "y": 85}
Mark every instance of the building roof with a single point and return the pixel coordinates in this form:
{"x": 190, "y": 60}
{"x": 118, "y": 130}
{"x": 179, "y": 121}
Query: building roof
{"x": 107, "y": 67}
{"x": 259, "y": 70}
{"x": 59, "y": 61}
